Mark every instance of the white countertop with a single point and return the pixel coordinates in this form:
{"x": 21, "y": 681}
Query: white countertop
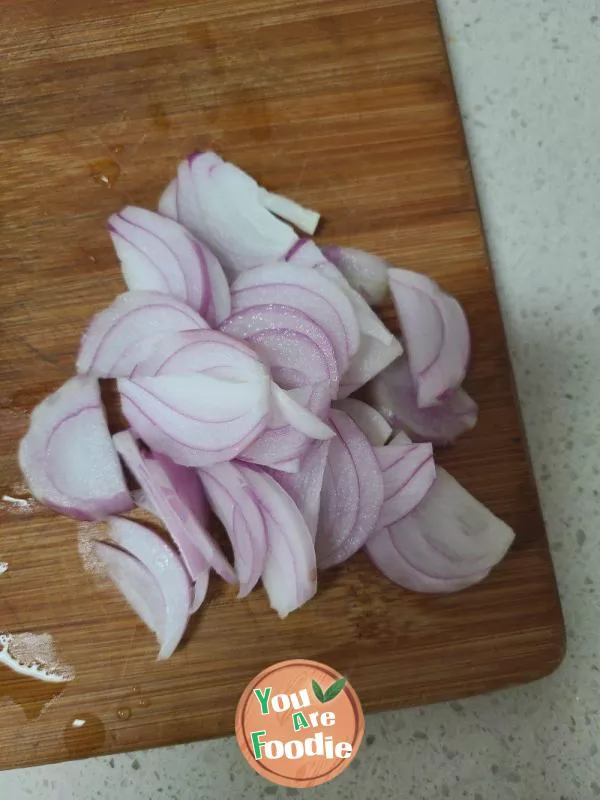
{"x": 528, "y": 75}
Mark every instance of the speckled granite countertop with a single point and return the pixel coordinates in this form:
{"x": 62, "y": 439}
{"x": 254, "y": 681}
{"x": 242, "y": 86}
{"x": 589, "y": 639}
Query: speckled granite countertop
{"x": 529, "y": 84}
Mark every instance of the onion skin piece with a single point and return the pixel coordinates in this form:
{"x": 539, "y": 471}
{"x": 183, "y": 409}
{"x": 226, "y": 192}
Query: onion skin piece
{"x": 435, "y": 332}
{"x": 449, "y": 542}
{"x": 126, "y": 332}
{"x": 232, "y": 499}
{"x": 162, "y": 486}
{"x": 135, "y": 583}
{"x": 67, "y": 456}
{"x": 393, "y": 392}
{"x": 369, "y": 420}
{"x": 290, "y": 571}
{"x": 352, "y": 493}
{"x": 167, "y": 570}
{"x": 158, "y": 254}
{"x": 365, "y": 272}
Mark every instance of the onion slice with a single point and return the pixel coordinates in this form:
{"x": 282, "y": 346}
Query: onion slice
{"x": 233, "y": 501}
{"x": 393, "y": 392}
{"x": 449, "y": 542}
{"x": 167, "y": 570}
{"x": 136, "y": 584}
{"x": 225, "y": 207}
{"x": 366, "y": 273}
{"x": 352, "y": 493}
{"x": 368, "y": 419}
{"x": 126, "y": 332}
{"x": 304, "y": 486}
{"x": 436, "y": 334}
{"x": 307, "y": 291}
{"x": 408, "y": 473}
{"x": 67, "y": 456}
{"x": 290, "y": 573}
{"x": 196, "y": 420}
{"x": 158, "y": 254}
{"x": 168, "y": 488}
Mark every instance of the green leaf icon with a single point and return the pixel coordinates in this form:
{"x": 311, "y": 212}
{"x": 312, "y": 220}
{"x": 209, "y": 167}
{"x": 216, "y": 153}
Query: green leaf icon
{"x": 318, "y": 692}
{"x": 334, "y": 689}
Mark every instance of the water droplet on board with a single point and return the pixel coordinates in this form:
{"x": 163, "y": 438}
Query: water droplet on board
{"x": 84, "y": 736}
{"x": 143, "y": 702}
{"x": 105, "y": 171}
{"x": 118, "y": 148}
{"x": 123, "y": 713}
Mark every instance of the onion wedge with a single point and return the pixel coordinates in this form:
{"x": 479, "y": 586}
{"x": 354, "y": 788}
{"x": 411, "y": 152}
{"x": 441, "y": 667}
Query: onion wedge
{"x": 161, "y": 485}
{"x": 290, "y": 573}
{"x": 67, "y": 456}
{"x": 126, "y": 332}
{"x": 436, "y": 334}
{"x": 233, "y": 501}
{"x": 158, "y": 254}
{"x": 366, "y": 273}
{"x": 166, "y": 569}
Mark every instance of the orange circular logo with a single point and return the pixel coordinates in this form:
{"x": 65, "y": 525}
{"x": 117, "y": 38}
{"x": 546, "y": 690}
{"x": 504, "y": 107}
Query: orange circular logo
{"x": 299, "y": 723}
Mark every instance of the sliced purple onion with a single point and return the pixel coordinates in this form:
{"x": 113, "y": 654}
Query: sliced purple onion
{"x": 393, "y": 392}
{"x": 436, "y": 334}
{"x": 373, "y": 356}
{"x": 290, "y": 571}
{"x": 126, "y": 332}
{"x": 449, "y": 542}
{"x": 368, "y": 419}
{"x": 136, "y": 584}
{"x": 196, "y": 419}
{"x": 167, "y": 205}
{"x": 305, "y": 484}
{"x": 225, "y": 207}
{"x": 169, "y": 488}
{"x": 408, "y": 474}
{"x": 352, "y": 493}
{"x": 158, "y": 254}
{"x": 67, "y": 456}
{"x": 275, "y": 332}
{"x": 308, "y": 292}
{"x": 233, "y": 501}
{"x": 166, "y": 569}
{"x": 366, "y": 273}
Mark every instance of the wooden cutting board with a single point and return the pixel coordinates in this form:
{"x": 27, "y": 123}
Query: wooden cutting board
{"x": 349, "y": 108}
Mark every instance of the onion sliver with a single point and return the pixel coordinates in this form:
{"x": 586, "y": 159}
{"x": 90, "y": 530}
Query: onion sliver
{"x": 158, "y": 254}
{"x": 408, "y": 473}
{"x": 136, "y": 584}
{"x": 366, "y": 273}
{"x": 67, "y": 456}
{"x": 318, "y": 297}
{"x": 352, "y": 493}
{"x": 200, "y": 590}
{"x": 382, "y": 549}
{"x": 161, "y": 485}
{"x": 232, "y": 499}
{"x": 436, "y": 334}
{"x": 393, "y": 392}
{"x": 368, "y": 419}
{"x": 298, "y": 417}
{"x": 196, "y": 420}
{"x": 290, "y": 572}
{"x": 167, "y": 570}
{"x": 126, "y": 332}
{"x": 223, "y": 206}
{"x": 304, "y": 486}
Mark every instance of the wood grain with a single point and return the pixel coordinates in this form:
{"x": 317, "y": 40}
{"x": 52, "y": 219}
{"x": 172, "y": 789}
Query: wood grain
{"x": 349, "y": 108}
